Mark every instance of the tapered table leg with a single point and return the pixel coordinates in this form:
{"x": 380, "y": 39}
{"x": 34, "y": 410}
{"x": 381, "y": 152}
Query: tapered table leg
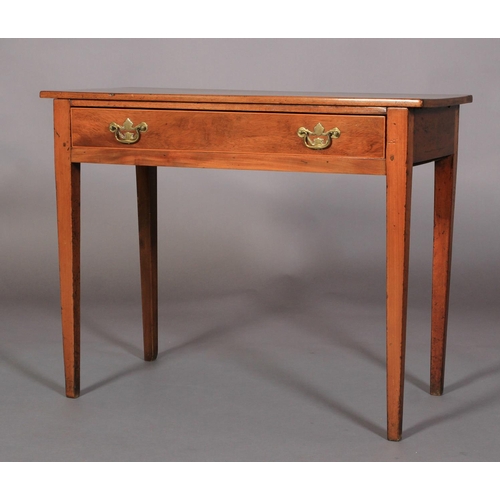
{"x": 444, "y": 201}
{"x": 399, "y": 180}
{"x": 147, "y": 213}
{"x": 68, "y": 224}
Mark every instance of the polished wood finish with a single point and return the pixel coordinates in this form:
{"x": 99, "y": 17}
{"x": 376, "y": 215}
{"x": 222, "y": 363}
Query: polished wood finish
{"x": 258, "y": 97}
{"x": 236, "y": 161}
{"x": 434, "y": 133}
{"x": 380, "y": 135}
{"x": 230, "y": 132}
{"x": 445, "y": 173}
{"x": 68, "y": 223}
{"x": 148, "y": 230}
{"x": 232, "y": 106}
{"x": 399, "y": 177}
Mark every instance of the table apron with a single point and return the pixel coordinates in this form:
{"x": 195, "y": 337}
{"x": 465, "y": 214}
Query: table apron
{"x": 234, "y": 161}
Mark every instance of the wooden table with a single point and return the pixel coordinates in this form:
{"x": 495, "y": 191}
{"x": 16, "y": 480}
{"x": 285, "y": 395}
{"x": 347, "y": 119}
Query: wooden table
{"x": 328, "y": 133}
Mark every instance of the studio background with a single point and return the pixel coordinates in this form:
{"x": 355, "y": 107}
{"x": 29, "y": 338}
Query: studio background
{"x": 305, "y": 251}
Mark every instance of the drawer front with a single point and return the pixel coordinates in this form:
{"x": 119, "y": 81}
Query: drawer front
{"x": 239, "y": 132}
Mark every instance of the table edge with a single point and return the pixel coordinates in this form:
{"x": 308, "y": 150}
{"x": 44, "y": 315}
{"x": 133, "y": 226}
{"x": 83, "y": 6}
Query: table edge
{"x": 275, "y": 98}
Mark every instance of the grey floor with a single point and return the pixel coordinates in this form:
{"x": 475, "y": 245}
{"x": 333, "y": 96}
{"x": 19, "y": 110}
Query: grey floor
{"x": 289, "y": 372}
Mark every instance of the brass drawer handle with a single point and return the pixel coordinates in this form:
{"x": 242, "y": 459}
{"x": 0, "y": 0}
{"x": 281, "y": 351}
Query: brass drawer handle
{"x": 127, "y": 133}
{"x": 319, "y": 132}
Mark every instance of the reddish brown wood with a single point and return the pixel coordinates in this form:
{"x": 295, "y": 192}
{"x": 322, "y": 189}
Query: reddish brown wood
{"x": 231, "y": 106}
{"x": 147, "y": 212}
{"x": 444, "y": 205}
{"x": 399, "y": 177}
{"x": 212, "y": 132}
{"x": 256, "y": 97}
{"x": 434, "y": 133}
{"x": 238, "y": 161}
{"x": 379, "y": 135}
{"x": 68, "y": 223}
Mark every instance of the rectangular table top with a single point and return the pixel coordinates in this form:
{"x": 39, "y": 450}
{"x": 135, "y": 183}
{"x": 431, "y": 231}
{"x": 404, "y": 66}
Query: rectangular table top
{"x": 259, "y": 97}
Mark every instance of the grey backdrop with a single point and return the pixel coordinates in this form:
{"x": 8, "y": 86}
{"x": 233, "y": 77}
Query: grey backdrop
{"x": 276, "y": 239}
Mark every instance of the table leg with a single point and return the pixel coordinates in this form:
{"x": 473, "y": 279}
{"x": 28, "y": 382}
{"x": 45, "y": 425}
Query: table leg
{"x": 399, "y": 179}
{"x": 147, "y": 214}
{"x": 68, "y": 224}
{"x": 444, "y": 201}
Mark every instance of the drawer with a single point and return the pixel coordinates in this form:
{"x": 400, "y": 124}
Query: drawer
{"x": 239, "y": 132}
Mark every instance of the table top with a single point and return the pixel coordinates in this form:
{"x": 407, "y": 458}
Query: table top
{"x": 260, "y": 97}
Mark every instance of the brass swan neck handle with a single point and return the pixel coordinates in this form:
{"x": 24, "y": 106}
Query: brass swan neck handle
{"x": 321, "y": 139}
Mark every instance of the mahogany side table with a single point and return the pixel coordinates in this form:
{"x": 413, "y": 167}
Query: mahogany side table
{"x": 329, "y": 133}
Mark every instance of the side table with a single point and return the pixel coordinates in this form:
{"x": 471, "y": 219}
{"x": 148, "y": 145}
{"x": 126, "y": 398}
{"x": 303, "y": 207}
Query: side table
{"x": 300, "y": 132}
